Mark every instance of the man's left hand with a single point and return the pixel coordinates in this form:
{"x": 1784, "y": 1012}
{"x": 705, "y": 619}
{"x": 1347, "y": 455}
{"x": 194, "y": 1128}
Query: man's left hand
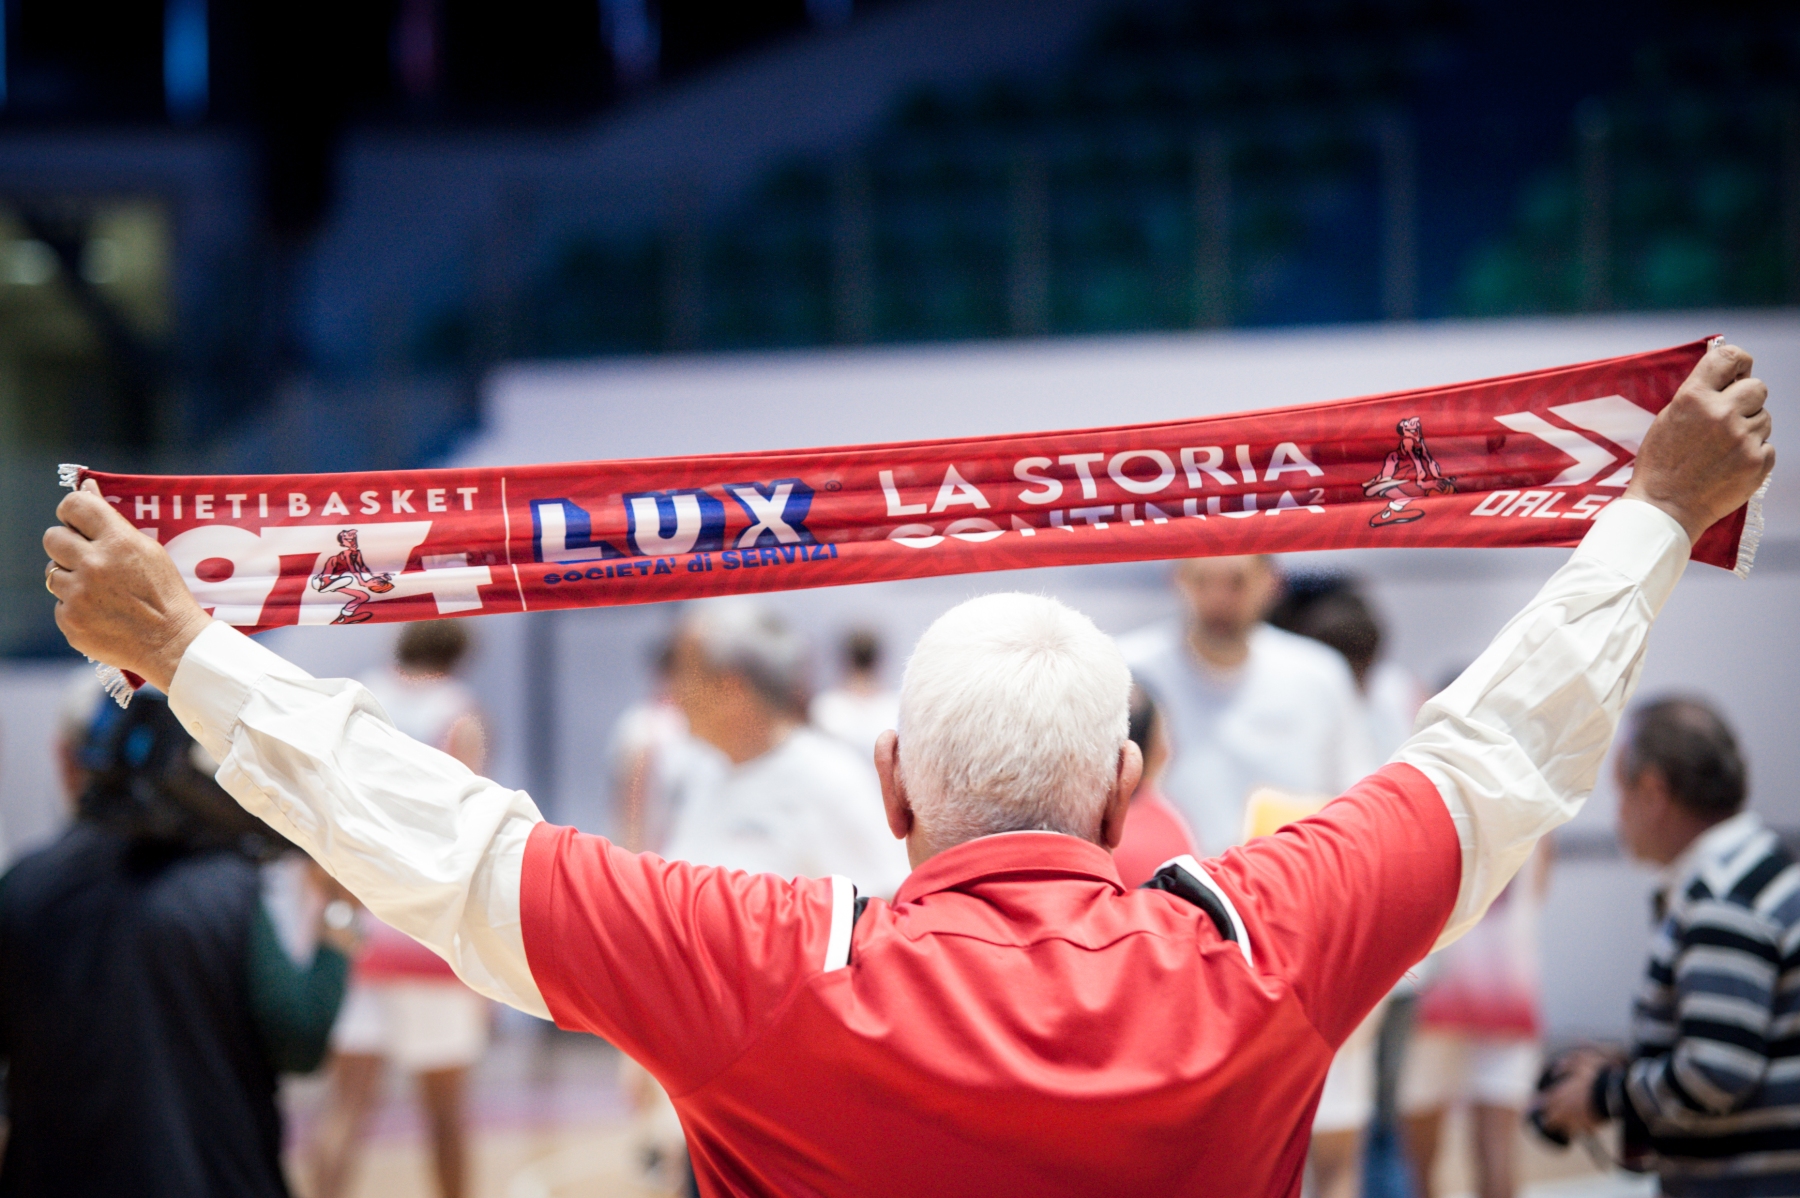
{"x": 1568, "y": 1106}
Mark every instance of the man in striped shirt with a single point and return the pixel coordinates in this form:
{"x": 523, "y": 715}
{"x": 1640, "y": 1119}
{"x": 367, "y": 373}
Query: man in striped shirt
{"x": 1710, "y": 1096}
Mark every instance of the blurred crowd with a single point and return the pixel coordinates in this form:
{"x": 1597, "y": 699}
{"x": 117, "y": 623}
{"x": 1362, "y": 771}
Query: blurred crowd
{"x": 167, "y": 958}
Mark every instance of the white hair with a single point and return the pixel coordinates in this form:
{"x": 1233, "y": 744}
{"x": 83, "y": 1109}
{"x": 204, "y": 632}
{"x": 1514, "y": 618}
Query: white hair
{"x": 1012, "y": 718}
{"x": 740, "y": 636}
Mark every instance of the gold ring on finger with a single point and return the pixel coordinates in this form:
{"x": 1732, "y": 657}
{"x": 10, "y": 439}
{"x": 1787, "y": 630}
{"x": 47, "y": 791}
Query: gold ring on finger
{"x": 49, "y": 571}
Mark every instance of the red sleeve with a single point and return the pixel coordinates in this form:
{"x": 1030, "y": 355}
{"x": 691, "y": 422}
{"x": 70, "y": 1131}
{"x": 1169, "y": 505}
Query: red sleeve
{"x": 678, "y": 965}
{"x": 1342, "y": 904}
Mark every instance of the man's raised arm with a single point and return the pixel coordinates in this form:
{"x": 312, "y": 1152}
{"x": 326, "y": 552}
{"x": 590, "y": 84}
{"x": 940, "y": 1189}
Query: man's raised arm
{"x": 1515, "y": 744}
{"x": 430, "y": 847}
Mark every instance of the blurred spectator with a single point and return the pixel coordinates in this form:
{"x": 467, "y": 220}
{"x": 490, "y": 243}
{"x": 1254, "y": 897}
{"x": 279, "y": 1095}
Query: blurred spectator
{"x": 405, "y": 1006}
{"x": 859, "y": 709}
{"x": 1707, "y": 1096}
{"x": 1245, "y": 704}
{"x": 1478, "y": 1039}
{"x": 778, "y": 797}
{"x": 649, "y": 750}
{"x": 146, "y": 1001}
{"x": 1154, "y": 829}
{"x": 1329, "y": 609}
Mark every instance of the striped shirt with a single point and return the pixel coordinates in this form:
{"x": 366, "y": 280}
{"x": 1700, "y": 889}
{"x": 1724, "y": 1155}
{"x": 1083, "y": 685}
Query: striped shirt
{"x": 1712, "y": 1093}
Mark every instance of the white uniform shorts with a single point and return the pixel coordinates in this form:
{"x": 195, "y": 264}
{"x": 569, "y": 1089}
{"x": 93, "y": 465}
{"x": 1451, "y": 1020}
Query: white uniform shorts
{"x": 1445, "y": 1069}
{"x": 421, "y": 1026}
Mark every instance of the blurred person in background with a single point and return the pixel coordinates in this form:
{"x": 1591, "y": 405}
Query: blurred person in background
{"x": 1245, "y": 704}
{"x": 778, "y": 796}
{"x": 147, "y": 1003}
{"x": 1477, "y": 1040}
{"x": 649, "y": 750}
{"x": 1250, "y": 707}
{"x": 1155, "y": 832}
{"x": 859, "y": 709}
{"x": 405, "y": 1005}
{"x": 1707, "y": 1095}
{"x": 1330, "y": 609}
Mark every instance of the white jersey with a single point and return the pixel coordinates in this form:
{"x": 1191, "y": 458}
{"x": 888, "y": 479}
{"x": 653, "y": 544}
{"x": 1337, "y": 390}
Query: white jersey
{"x": 806, "y": 808}
{"x": 424, "y": 707}
{"x": 857, "y": 718}
{"x": 1289, "y": 718}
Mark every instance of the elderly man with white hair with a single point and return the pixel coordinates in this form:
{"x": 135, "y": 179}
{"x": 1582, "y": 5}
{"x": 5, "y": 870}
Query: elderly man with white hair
{"x": 1014, "y": 1021}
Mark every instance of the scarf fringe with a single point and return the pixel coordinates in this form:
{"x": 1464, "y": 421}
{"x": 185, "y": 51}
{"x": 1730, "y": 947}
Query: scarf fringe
{"x": 112, "y": 678}
{"x": 1752, "y": 536}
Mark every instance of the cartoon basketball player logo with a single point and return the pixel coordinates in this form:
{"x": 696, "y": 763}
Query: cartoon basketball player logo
{"x": 1409, "y": 473}
{"x": 350, "y": 576}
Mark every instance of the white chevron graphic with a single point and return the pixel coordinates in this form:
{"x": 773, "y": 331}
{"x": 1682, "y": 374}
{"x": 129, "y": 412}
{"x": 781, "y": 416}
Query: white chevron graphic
{"x": 1611, "y": 416}
{"x": 1615, "y": 418}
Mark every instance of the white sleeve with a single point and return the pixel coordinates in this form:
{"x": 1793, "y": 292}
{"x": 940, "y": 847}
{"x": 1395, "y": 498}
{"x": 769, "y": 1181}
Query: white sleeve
{"x": 1515, "y": 744}
{"x": 431, "y": 848}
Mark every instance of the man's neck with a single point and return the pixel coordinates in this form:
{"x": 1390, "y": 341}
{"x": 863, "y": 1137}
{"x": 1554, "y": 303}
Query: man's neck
{"x": 1224, "y": 653}
{"x": 1686, "y": 845}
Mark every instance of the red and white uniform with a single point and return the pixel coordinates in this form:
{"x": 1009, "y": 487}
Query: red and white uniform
{"x": 1014, "y": 1019}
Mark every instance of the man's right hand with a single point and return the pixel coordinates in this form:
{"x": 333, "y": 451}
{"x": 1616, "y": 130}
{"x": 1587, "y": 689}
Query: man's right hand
{"x": 1708, "y": 451}
{"x": 120, "y": 599}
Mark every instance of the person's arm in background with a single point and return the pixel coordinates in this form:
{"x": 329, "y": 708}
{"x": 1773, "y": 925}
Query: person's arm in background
{"x": 1515, "y": 744}
{"x": 1726, "y": 970}
{"x": 294, "y": 1004}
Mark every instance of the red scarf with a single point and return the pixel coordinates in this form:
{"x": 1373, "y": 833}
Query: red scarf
{"x": 1523, "y": 460}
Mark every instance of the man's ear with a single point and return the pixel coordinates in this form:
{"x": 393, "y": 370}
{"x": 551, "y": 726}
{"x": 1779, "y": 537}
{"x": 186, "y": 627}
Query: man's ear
{"x": 893, "y": 789}
{"x": 1118, "y": 803}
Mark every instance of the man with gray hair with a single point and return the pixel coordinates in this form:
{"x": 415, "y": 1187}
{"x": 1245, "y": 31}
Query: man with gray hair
{"x": 777, "y": 797}
{"x": 1015, "y": 1020}
{"x": 1709, "y": 1097}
